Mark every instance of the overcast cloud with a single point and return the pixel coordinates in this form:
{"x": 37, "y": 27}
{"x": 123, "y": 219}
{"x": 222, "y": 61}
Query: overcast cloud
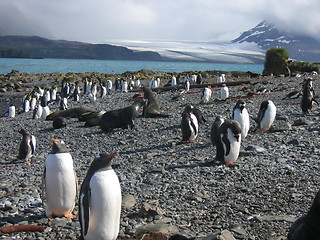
{"x": 98, "y": 21}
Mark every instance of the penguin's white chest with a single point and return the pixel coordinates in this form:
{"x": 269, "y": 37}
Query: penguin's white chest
{"x": 224, "y": 92}
{"x": 12, "y": 111}
{"x": 105, "y": 206}
{"x": 206, "y": 95}
{"x": 60, "y": 184}
{"x": 244, "y": 120}
{"x": 233, "y": 154}
{"x": 269, "y": 116}
{"x": 194, "y": 127}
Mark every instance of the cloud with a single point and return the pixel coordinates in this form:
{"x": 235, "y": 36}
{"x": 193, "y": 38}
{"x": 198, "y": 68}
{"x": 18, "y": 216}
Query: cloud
{"x": 215, "y": 20}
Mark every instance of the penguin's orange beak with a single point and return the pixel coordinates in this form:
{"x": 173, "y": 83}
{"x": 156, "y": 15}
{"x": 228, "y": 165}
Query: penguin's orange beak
{"x": 54, "y": 140}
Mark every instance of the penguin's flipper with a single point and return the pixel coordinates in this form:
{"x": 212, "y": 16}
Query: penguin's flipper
{"x": 314, "y": 100}
{"x": 43, "y": 184}
{"x": 85, "y": 214}
{"x": 33, "y": 143}
{"x": 226, "y": 143}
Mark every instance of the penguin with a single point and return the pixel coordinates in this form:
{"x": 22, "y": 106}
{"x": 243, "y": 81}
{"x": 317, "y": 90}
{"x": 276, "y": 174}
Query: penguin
{"x": 186, "y": 85}
{"x": 109, "y": 86}
{"x": 229, "y": 140}
{"x": 100, "y": 200}
{"x": 307, "y": 227}
{"x": 189, "y": 125}
{"x": 103, "y": 90}
{"x": 76, "y": 93}
{"x": 307, "y": 96}
{"x": 45, "y": 108}
{"x": 37, "y": 112}
{"x": 93, "y": 93}
{"x": 33, "y": 103}
{"x": 11, "y": 111}
{"x": 224, "y": 92}
{"x": 27, "y": 146}
{"x": 124, "y": 86}
{"x": 137, "y": 84}
{"x": 292, "y": 95}
{"x": 266, "y": 115}
{"x": 53, "y": 94}
{"x": 63, "y": 104}
{"x": 26, "y": 103}
{"x": 173, "y": 81}
{"x": 60, "y": 181}
{"x": 214, "y": 130}
{"x": 241, "y": 115}
{"x": 199, "y": 79}
{"x": 206, "y": 95}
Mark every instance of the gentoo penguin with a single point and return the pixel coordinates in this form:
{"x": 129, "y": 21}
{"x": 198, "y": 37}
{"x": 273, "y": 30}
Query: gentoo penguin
{"x": 266, "y": 115}
{"x": 93, "y": 93}
{"x": 103, "y": 89}
{"x": 60, "y": 181}
{"x": 45, "y": 108}
{"x": 189, "y": 125}
{"x": 308, "y": 226}
{"x": 307, "y": 96}
{"x": 206, "y": 95}
{"x": 11, "y": 111}
{"x": 199, "y": 79}
{"x": 214, "y": 129}
{"x": 173, "y": 81}
{"x": 27, "y": 146}
{"x": 137, "y": 84}
{"x": 228, "y": 144}
{"x": 100, "y": 201}
{"x": 241, "y": 115}
{"x": 33, "y": 102}
{"x": 224, "y": 92}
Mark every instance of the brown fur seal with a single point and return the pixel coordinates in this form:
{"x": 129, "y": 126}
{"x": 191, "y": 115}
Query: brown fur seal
{"x": 151, "y": 108}
{"x": 121, "y": 118}
{"x": 70, "y": 113}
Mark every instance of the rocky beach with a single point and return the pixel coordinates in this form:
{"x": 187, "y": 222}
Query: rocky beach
{"x": 167, "y": 186}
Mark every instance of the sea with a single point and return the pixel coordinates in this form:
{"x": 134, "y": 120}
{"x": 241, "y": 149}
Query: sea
{"x": 115, "y": 66}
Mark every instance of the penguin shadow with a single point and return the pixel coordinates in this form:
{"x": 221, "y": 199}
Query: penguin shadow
{"x": 16, "y": 219}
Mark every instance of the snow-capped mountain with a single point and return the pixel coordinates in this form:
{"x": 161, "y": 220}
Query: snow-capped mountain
{"x": 266, "y": 35}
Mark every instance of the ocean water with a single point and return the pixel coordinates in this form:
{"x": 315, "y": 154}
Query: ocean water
{"x": 115, "y": 66}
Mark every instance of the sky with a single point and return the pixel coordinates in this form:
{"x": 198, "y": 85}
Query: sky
{"x": 100, "y": 21}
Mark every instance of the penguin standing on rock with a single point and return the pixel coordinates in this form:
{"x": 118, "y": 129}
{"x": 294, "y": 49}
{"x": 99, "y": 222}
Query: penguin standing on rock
{"x": 241, "y": 115}
{"x": 189, "y": 125}
{"x": 60, "y": 181}
{"x": 100, "y": 200}
{"x": 214, "y": 130}
{"x": 228, "y": 142}
{"x": 224, "y": 92}
{"x": 307, "y": 96}
{"x": 266, "y": 115}
{"x": 206, "y": 95}
{"x": 27, "y": 146}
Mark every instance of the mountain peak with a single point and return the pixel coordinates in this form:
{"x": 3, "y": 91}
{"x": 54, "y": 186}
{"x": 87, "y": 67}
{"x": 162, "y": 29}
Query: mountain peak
{"x": 267, "y": 35}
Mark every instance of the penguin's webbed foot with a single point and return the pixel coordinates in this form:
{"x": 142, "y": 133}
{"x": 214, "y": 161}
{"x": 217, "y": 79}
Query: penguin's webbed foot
{"x": 69, "y": 215}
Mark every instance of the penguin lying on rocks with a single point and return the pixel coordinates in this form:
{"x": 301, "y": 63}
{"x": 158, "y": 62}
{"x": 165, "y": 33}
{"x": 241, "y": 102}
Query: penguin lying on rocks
{"x": 121, "y": 118}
